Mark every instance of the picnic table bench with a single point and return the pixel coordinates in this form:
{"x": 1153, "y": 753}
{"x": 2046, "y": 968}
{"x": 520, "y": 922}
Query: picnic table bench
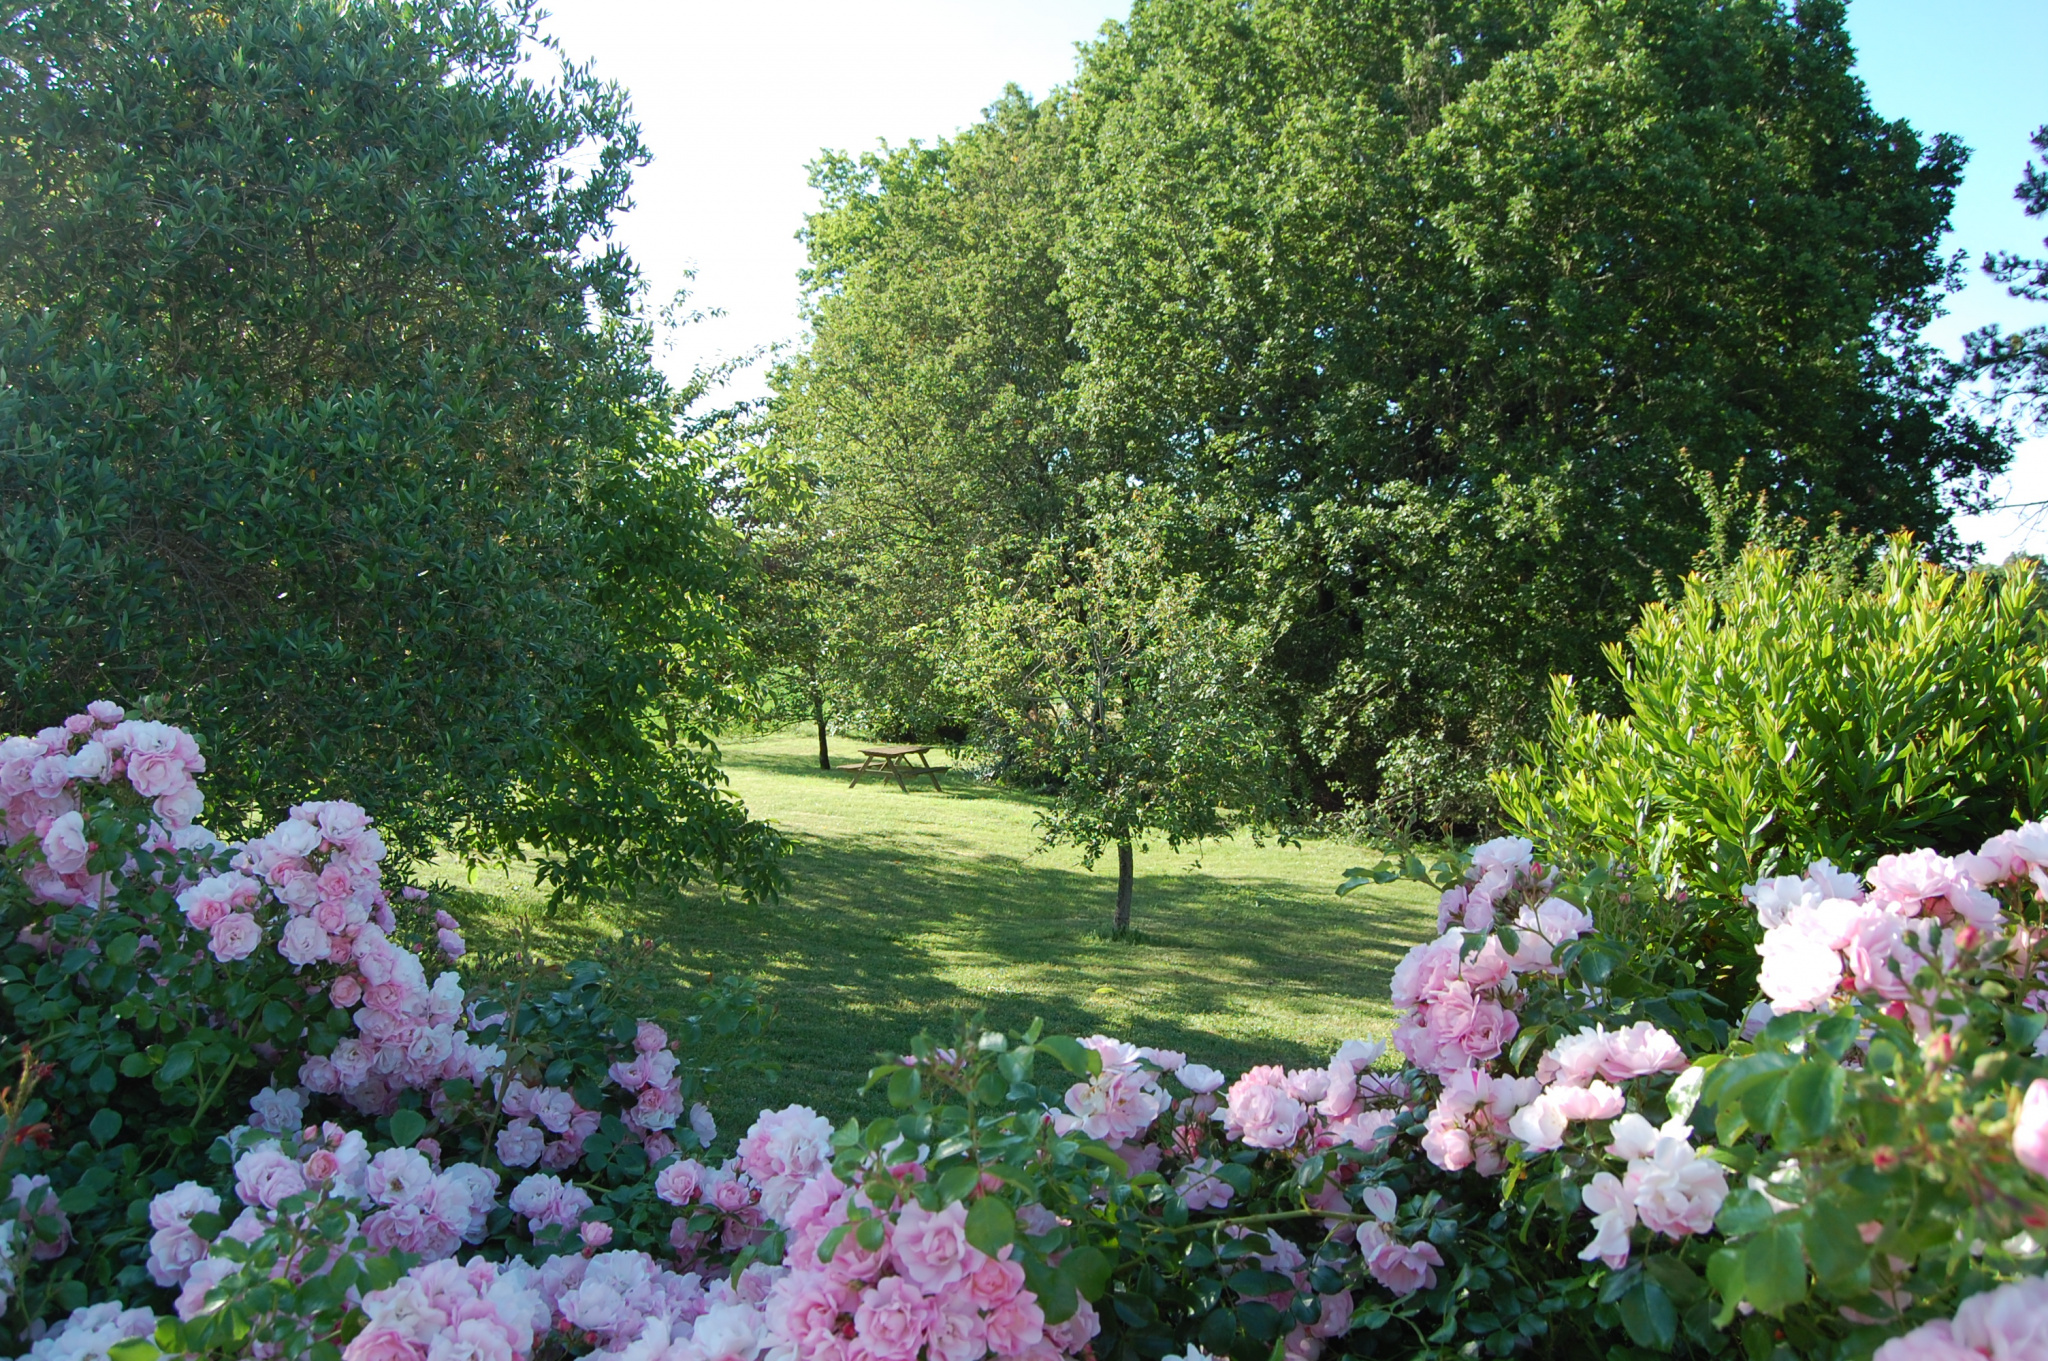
{"x": 894, "y": 759}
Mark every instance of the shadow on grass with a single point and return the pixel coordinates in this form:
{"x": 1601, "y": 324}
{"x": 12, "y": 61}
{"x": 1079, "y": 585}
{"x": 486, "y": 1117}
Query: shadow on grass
{"x": 888, "y": 933}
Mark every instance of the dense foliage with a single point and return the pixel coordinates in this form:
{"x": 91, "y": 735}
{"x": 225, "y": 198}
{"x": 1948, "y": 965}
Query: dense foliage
{"x": 248, "y": 1124}
{"x": 1443, "y": 314}
{"x": 328, "y": 410}
{"x": 1777, "y": 717}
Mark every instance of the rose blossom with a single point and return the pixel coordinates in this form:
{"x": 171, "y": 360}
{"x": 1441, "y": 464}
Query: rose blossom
{"x": 892, "y": 1320}
{"x": 65, "y": 848}
{"x": 234, "y": 937}
{"x": 2030, "y": 1134}
{"x": 931, "y": 1246}
{"x": 1261, "y": 1113}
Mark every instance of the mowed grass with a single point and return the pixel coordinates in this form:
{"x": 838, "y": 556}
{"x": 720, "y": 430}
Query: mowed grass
{"x": 909, "y": 911}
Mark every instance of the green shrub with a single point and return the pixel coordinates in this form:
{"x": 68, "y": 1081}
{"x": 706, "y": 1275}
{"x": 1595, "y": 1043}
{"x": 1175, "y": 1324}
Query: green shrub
{"x": 1775, "y": 716}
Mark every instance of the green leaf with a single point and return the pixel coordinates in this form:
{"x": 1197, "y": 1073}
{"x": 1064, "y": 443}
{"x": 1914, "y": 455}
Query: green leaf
{"x": 870, "y": 1234}
{"x": 1835, "y": 1035}
{"x": 1833, "y": 1242}
{"x": 105, "y": 1125}
{"x": 1089, "y": 1268}
{"x": 1648, "y": 1315}
{"x": 1744, "y": 1212}
{"x": 1073, "y": 1056}
{"x": 1724, "y": 1273}
{"x": 957, "y": 1183}
{"x": 133, "y": 1349}
{"x": 991, "y": 1224}
{"x": 1774, "y": 1267}
{"x": 406, "y": 1127}
{"x": 1813, "y": 1096}
{"x": 1254, "y": 1282}
{"x": 121, "y": 949}
{"x": 177, "y": 1064}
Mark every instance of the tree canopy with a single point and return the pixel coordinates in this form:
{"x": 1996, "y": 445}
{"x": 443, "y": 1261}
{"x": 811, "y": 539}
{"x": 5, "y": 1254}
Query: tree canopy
{"x": 1441, "y": 313}
{"x": 330, "y": 419}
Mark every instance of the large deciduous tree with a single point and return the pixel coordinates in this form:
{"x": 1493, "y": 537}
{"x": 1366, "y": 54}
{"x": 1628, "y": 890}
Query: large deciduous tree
{"x": 1456, "y": 301}
{"x": 930, "y": 401}
{"x": 328, "y": 416}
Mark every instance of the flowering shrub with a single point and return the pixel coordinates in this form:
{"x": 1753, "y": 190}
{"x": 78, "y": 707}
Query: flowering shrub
{"x": 1580, "y": 1152}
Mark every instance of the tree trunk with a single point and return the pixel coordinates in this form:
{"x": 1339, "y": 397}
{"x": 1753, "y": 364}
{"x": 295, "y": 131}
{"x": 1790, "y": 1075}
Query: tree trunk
{"x": 1123, "y": 887}
{"x": 824, "y": 749}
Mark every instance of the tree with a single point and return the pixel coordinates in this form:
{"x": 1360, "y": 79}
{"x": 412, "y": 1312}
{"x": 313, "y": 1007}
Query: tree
{"x": 1444, "y": 300}
{"x": 930, "y": 400}
{"x": 790, "y": 590}
{"x": 1108, "y": 667}
{"x": 2017, "y": 362}
{"x": 330, "y": 417}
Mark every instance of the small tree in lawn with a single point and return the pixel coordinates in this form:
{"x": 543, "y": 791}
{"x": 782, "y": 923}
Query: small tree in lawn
{"x": 1102, "y": 665}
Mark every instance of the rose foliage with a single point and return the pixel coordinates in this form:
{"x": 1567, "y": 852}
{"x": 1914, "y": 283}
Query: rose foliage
{"x": 261, "y": 1114}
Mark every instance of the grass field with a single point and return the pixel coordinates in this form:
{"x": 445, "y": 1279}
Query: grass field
{"x": 908, "y": 910}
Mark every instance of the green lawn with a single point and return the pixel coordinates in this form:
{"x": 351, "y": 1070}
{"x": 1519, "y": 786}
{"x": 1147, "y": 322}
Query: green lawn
{"x": 907, "y": 910}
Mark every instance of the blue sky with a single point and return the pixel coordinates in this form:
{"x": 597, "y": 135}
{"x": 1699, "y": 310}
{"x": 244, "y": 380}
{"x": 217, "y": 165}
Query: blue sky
{"x": 735, "y": 98}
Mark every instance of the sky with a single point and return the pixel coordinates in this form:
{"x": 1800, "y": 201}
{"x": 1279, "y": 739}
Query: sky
{"x": 735, "y": 99}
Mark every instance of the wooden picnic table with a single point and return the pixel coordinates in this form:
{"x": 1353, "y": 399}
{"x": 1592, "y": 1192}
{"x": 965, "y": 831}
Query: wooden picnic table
{"x": 894, "y": 759}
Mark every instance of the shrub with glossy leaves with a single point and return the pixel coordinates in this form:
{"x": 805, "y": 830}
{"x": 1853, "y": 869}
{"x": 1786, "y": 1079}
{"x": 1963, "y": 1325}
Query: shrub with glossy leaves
{"x": 1776, "y": 717}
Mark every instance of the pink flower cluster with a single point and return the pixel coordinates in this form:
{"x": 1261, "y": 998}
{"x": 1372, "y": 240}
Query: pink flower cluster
{"x": 925, "y": 1292}
{"x": 1469, "y": 1124}
{"x": 547, "y": 1202}
{"x": 2008, "y": 1322}
{"x": 783, "y": 1152}
{"x": 323, "y": 863}
{"x": 423, "y": 1211}
{"x": 1119, "y": 1103}
{"x": 1458, "y": 1006}
{"x": 536, "y": 1113}
{"x": 1402, "y": 1268}
{"x": 1668, "y": 1188}
{"x": 624, "y": 1305}
{"x": 1342, "y": 1103}
{"x": 90, "y": 1333}
{"x": 410, "y": 1205}
{"x": 45, "y": 781}
{"x": 1502, "y": 871}
{"x": 1822, "y": 931}
{"x": 651, "y": 1079}
{"x": 409, "y": 1035}
{"x": 483, "y": 1311}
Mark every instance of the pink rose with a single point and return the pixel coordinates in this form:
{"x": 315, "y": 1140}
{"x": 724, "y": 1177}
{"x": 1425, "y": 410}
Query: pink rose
{"x": 267, "y": 1177}
{"x": 1261, "y": 1113}
{"x": 2030, "y": 1135}
{"x": 1016, "y": 1325}
{"x": 65, "y": 848}
{"x": 345, "y": 992}
{"x": 994, "y": 1281}
{"x": 893, "y": 1320}
{"x": 303, "y": 942}
{"x": 1405, "y": 1268}
{"x": 383, "y": 1343}
{"x": 2009, "y": 1322}
{"x": 520, "y": 1143}
{"x": 679, "y": 1183}
{"x": 235, "y": 936}
{"x": 931, "y": 1246}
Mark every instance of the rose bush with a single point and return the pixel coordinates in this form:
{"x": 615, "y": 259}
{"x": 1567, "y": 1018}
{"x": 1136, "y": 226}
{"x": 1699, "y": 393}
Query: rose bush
{"x": 258, "y": 1116}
